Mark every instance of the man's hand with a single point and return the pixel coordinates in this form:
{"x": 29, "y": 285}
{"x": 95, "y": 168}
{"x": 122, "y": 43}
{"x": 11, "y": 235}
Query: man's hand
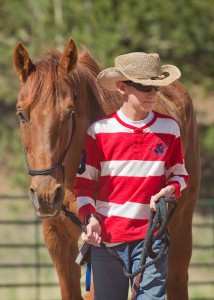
{"x": 93, "y": 232}
{"x": 167, "y": 192}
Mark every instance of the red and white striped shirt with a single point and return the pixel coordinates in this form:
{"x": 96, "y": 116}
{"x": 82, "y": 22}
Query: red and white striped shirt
{"x": 128, "y": 162}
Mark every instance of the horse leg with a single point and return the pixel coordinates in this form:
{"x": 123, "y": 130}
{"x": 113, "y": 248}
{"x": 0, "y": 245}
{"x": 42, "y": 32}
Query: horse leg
{"x": 180, "y": 252}
{"x": 61, "y": 238}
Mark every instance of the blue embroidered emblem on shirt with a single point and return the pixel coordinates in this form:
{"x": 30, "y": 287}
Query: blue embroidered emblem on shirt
{"x": 159, "y": 150}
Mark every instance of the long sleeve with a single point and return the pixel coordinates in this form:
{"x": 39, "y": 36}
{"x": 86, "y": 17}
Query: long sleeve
{"x": 85, "y": 187}
{"x": 176, "y": 174}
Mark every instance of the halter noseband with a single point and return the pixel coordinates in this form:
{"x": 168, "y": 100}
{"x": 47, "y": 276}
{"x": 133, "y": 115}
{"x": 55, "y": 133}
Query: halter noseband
{"x": 57, "y": 165}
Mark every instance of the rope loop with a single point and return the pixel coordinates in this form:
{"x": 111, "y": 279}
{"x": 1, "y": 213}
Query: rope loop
{"x": 157, "y": 229}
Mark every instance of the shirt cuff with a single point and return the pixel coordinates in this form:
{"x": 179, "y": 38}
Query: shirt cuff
{"x": 85, "y": 210}
{"x": 177, "y": 192}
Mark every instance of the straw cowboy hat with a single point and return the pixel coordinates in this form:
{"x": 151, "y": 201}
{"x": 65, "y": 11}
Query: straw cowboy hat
{"x": 138, "y": 67}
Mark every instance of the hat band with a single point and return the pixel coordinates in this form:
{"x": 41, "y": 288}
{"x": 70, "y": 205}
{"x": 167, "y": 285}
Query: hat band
{"x": 159, "y": 77}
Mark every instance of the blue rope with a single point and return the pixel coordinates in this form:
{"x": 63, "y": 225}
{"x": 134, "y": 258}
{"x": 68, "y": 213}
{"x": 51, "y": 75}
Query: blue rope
{"x": 88, "y": 276}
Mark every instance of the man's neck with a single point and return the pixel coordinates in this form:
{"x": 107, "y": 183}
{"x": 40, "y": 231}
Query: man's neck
{"x": 134, "y": 115}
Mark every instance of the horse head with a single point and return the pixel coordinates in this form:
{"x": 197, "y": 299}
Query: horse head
{"x": 47, "y": 100}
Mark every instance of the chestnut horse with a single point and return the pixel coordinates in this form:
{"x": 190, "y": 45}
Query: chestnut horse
{"x": 51, "y": 90}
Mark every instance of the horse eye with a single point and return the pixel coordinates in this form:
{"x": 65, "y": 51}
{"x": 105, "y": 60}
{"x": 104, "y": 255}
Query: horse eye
{"x": 70, "y": 113}
{"x": 21, "y": 116}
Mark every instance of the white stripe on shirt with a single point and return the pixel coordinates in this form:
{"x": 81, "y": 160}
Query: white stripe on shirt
{"x": 127, "y": 210}
{"x": 165, "y": 126}
{"x": 90, "y": 173}
{"x": 84, "y": 200}
{"x": 178, "y": 169}
{"x": 178, "y": 179}
{"x": 111, "y": 125}
{"x": 133, "y": 168}
{"x": 107, "y": 126}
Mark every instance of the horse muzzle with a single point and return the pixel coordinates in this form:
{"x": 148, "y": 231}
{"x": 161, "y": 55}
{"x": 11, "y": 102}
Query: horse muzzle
{"x": 46, "y": 196}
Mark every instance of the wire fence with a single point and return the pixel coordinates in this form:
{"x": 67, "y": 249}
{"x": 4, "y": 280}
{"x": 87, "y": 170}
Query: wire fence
{"x": 26, "y": 271}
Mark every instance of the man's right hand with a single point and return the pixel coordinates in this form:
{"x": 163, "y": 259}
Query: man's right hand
{"x": 93, "y": 232}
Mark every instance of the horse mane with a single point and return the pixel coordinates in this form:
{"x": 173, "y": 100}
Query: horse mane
{"x": 82, "y": 78}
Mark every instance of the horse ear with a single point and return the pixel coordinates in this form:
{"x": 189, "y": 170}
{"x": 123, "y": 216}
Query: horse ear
{"x": 69, "y": 58}
{"x": 22, "y": 62}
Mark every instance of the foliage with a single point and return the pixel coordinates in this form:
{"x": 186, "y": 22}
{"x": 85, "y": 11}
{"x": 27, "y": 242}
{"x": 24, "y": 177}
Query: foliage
{"x": 181, "y": 31}
{"x": 206, "y": 139}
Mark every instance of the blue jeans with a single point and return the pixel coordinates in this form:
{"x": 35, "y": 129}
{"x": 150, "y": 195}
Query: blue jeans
{"x": 110, "y": 282}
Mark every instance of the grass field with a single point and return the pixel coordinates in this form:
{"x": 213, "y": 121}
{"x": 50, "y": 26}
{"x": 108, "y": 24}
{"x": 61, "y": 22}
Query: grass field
{"x": 12, "y": 258}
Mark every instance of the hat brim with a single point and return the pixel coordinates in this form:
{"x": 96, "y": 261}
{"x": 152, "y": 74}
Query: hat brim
{"x": 108, "y": 77}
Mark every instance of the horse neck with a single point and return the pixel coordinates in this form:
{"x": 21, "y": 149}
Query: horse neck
{"x": 92, "y": 104}
{"x": 88, "y": 110}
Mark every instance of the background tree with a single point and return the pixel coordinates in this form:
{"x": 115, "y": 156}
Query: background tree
{"x": 181, "y": 31}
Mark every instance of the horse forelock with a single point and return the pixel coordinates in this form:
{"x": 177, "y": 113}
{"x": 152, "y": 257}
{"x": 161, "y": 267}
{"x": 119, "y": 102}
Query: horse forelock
{"x": 44, "y": 82}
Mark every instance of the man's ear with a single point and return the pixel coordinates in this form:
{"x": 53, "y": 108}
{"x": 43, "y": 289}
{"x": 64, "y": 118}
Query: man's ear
{"x": 122, "y": 87}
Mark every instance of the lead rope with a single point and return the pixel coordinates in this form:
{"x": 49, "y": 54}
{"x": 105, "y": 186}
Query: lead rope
{"x": 158, "y": 223}
{"x": 158, "y": 220}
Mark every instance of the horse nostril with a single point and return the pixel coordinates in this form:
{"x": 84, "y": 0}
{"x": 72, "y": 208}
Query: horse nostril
{"x": 34, "y": 197}
{"x": 58, "y": 195}
{"x": 31, "y": 191}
